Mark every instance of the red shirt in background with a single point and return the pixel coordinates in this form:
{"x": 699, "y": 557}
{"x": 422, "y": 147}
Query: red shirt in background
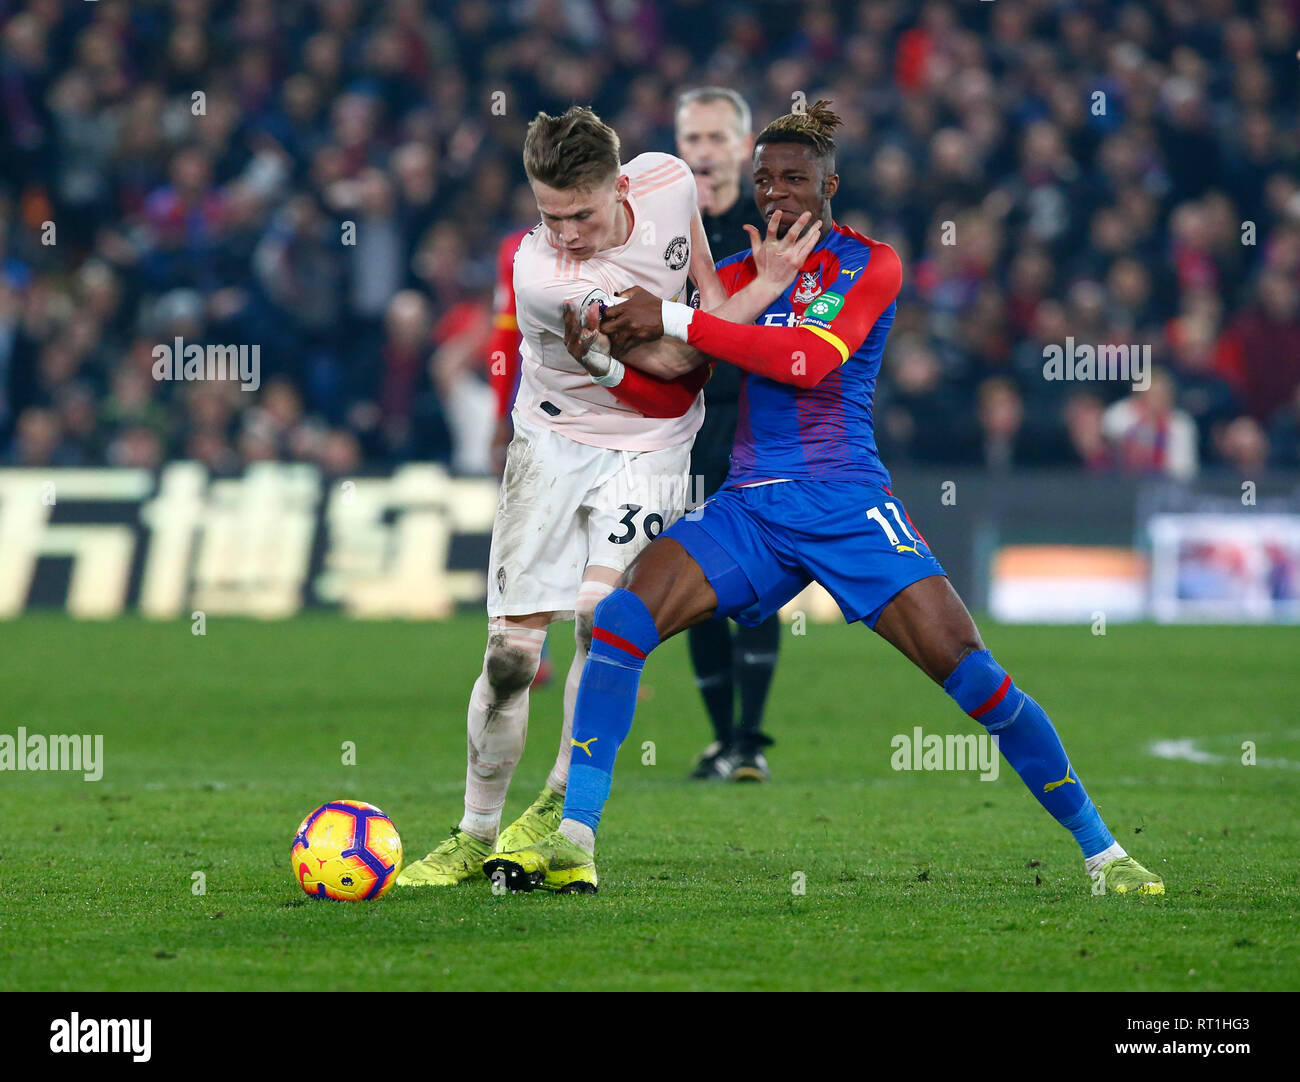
{"x": 503, "y": 344}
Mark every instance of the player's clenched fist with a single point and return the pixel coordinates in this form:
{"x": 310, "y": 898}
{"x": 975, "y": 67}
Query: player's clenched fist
{"x": 580, "y": 329}
{"x": 582, "y": 338}
{"x": 638, "y": 319}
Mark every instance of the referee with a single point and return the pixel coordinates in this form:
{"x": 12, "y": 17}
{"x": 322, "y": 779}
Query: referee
{"x": 715, "y": 138}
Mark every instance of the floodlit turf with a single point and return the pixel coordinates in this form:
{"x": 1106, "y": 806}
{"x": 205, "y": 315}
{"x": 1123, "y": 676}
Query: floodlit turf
{"x": 217, "y": 746}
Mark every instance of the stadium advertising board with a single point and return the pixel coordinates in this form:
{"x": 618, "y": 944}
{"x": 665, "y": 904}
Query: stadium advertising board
{"x": 413, "y": 544}
{"x": 99, "y": 543}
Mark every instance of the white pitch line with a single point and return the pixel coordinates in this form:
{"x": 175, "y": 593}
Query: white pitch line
{"x": 1188, "y": 751}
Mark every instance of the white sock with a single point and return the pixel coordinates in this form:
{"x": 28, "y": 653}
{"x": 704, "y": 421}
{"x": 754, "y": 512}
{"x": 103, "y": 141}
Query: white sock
{"x": 498, "y": 725}
{"x": 579, "y": 833}
{"x": 1092, "y": 865}
{"x": 590, "y": 594}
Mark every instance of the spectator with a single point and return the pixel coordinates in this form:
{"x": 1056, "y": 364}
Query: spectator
{"x": 1085, "y": 424}
{"x": 1151, "y": 437}
{"x": 345, "y": 155}
{"x": 1264, "y": 345}
{"x": 1001, "y": 415}
{"x": 136, "y": 448}
{"x": 38, "y": 440}
{"x": 1284, "y": 435}
{"x": 456, "y": 370}
{"x": 1243, "y": 446}
{"x": 920, "y": 418}
{"x": 1202, "y": 393}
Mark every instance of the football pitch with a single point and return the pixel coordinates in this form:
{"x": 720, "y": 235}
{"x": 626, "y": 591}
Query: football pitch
{"x": 172, "y": 871}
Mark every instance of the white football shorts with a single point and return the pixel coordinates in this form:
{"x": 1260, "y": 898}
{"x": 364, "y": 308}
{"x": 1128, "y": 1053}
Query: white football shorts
{"x": 566, "y": 505}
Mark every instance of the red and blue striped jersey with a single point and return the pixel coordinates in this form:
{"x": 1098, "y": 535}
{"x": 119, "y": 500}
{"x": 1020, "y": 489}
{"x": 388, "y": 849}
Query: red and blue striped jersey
{"x": 825, "y": 432}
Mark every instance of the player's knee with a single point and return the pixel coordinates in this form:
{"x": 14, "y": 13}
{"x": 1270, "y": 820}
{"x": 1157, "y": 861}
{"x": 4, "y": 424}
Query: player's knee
{"x": 963, "y": 648}
{"x": 607, "y": 614}
{"x": 590, "y": 594}
{"x": 625, "y": 615}
{"x": 509, "y": 667}
{"x": 584, "y": 623}
{"x": 612, "y": 611}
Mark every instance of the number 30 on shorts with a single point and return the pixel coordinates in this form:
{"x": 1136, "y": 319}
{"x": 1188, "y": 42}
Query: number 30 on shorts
{"x": 653, "y": 524}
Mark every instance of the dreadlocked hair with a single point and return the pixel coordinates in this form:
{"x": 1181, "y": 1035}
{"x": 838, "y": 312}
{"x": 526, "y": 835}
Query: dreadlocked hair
{"x": 813, "y": 127}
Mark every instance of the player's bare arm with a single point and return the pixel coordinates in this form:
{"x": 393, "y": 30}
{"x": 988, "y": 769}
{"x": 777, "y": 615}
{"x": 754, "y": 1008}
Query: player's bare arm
{"x": 702, "y": 271}
{"x": 801, "y": 356}
{"x": 639, "y": 319}
{"x": 777, "y": 259}
{"x": 664, "y": 358}
{"x": 791, "y": 182}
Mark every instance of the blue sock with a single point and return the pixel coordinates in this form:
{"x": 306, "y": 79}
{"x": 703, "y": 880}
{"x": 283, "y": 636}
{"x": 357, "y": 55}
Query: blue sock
{"x": 623, "y": 634}
{"x": 1028, "y": 741}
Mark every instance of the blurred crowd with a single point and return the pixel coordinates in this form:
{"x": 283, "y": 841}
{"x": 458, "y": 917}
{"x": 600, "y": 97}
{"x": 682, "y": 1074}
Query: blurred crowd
{"x": 330, "y": 179}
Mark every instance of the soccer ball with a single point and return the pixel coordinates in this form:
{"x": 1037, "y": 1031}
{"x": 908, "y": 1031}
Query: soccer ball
{"x": 346, "y": 850}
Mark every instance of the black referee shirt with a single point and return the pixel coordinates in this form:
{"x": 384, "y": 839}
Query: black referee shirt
{"x": 726, "y": 237}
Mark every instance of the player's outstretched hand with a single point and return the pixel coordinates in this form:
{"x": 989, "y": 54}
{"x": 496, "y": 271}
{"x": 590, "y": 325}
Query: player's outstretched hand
{"x": 778, "y": 259}
{"x": 639, "y": 318}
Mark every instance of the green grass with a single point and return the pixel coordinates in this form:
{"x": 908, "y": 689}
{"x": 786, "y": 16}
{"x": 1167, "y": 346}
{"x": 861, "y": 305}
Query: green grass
{"x": 217, "y": 746}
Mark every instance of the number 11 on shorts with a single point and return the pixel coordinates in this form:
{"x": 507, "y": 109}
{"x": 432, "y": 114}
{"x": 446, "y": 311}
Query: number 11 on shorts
{"x": 877, "y": 517}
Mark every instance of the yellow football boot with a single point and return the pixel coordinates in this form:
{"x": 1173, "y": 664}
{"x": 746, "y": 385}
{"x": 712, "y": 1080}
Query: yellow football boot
{"x": 554, "y": 864}
{"x": 457, "y": 860}
{"x": 1127, "y": 876}
{"x": 542, "y": 817}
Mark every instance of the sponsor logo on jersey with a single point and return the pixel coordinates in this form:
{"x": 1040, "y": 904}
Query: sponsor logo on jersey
{"x": 850, "y": 274}
{"x": 677, "y": 253}
{"x": 596, "y": 294}
{"x": 501, "y": 580}
{"x": 809, "y": 286}
{"x": 825, "y": 307}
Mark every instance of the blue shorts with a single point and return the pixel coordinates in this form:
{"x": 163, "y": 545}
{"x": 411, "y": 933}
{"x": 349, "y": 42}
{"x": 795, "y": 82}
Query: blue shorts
{"x": 760, "y": 546}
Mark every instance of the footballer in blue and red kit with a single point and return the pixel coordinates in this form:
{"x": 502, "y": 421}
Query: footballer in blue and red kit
{"x": 807, "y": 499}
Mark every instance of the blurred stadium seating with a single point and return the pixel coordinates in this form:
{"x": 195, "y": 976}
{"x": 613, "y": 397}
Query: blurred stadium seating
{"x": 1099, "y": 162}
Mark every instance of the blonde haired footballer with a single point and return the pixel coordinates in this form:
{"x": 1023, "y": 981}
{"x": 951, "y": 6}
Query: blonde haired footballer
{"x": 598, "y": 464}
